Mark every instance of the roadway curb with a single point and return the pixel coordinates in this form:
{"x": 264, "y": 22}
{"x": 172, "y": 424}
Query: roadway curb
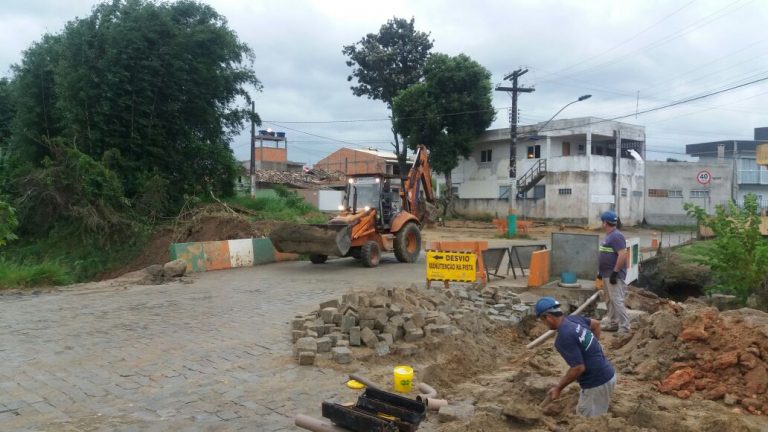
{"x": 226, "y": 254}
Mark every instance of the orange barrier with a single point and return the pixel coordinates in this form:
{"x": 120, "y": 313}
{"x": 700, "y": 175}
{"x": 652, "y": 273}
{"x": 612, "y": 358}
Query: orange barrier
{"x": 524, "y": 226}
{"x": 477, "y": 247}
{"x": 538, "y": 273}
{"x": 654, "y": 241}
{"x": 501, "y": 225}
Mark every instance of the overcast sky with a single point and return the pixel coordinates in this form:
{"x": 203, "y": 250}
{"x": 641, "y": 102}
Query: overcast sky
{"x": 667, "y": 50}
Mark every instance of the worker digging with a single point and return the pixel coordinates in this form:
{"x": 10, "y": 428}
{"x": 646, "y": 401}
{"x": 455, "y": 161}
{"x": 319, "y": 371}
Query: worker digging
{"x": 578, "y": 343}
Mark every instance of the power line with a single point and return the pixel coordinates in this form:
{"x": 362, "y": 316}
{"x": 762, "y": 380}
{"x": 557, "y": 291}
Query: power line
{"x": 670, "y": 80}
{"x": 720, "y": 13}
{"x": 382, "y": 119}
{"x": 706, "y": 109}
{"x": 633, "y": 37}
{"x": 670, "y": 105}
{"x": 316, "y": 135}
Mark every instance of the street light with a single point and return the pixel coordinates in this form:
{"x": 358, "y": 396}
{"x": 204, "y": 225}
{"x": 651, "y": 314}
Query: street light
{"x": 581, "y": 98}
{"x": 541, "y": 129}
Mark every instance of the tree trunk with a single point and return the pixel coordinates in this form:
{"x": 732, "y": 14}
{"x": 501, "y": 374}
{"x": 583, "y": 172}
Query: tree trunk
{"x": 402, "y": 156}
{"x": 448, "y": 194}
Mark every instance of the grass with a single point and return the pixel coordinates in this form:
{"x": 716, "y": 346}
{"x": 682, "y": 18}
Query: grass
{"x": 62, "y": 258}
{"x": 690, "y": 253}
{"x": 674, "y": 228}
{"x": 288, "y": 208}
{"x": 519, "y": 236}
{"x": 472, "y": 217}
{"x": 20, "y": 275}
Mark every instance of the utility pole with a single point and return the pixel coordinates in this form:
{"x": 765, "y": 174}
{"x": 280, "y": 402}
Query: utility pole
{"x": 514, "y": 90}
{"x": 253, "y": 149}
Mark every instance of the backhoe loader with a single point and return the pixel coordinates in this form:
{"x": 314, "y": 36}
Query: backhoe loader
{"x": 375, "y": 216}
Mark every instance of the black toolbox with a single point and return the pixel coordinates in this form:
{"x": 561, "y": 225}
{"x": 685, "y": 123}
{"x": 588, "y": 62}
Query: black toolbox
{"x": 377, "y": 411}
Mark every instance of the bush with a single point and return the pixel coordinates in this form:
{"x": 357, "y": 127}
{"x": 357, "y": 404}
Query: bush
{"x": 15, "y": 275}
{"x": 8, "y": 223}
{"x": 73, "y": 190}
{"x": 739, "y": 255}
{"x": 286, "y": 206}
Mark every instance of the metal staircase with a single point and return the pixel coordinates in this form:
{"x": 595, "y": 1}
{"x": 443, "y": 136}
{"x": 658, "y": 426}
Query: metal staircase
{"x": 532, "y": 176}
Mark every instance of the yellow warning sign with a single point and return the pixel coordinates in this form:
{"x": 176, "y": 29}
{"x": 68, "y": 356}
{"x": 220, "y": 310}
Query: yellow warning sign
{"x": 451, "y": 266}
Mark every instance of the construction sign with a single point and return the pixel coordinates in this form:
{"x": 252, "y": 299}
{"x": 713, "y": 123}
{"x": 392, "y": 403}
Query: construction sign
{"x": 451, "y": 266}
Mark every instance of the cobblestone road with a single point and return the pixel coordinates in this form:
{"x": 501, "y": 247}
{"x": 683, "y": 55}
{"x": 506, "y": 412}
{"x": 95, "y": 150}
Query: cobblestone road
{"x": 213, "y": 355}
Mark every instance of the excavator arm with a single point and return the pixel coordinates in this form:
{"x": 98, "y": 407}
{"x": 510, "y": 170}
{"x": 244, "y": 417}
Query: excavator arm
{"x": 419, "y": 178}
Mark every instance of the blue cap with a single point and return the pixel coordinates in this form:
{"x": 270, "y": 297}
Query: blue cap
{"x": 610, "y": 217}
{"x": 546, "y": 304}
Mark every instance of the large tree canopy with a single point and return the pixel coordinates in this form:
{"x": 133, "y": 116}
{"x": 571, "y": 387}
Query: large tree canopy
{"x": 388, "y": 62}
{"x": 447, "y": 111}
{"x": 149, "y": 90}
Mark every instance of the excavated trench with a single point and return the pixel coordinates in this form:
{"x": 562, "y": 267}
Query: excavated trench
{"x": 670, "y": 277}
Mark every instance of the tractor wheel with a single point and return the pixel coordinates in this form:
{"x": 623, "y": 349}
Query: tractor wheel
{"x": 355, "y": 253}
{"x": 408, "y": 243}
{"x": 318, "y": 259}
{"x": 370, "y": 254}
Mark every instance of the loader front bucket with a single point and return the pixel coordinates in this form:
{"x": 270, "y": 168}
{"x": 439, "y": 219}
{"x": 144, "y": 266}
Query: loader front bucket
{"x": 330, "y": 240}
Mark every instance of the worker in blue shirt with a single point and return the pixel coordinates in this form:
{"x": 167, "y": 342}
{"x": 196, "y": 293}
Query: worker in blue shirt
{"x": 577, "y": 342}
{"x": 612, "y": 269}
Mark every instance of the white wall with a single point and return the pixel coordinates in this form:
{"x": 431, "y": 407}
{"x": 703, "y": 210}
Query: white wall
{"x": 682, "y": 176}
{"x": 482, "y": 179}
{"x": 329, "y": 200}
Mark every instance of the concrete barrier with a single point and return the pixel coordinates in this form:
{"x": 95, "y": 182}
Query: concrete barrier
{"x": 538, "y": 274}
{"x": 226, "y": 254}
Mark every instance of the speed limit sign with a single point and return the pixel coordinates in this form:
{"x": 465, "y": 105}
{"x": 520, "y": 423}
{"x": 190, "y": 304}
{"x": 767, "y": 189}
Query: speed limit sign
{"x": 704, "y": 177}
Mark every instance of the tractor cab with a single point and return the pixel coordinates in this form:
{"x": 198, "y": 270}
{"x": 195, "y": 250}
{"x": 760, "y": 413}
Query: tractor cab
{"x": 376, "y": 192}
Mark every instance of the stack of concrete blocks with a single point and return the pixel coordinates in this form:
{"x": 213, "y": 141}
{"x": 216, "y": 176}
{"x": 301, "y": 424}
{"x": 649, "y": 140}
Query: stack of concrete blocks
{"x": 502, "y": 307}
{"x": 399, "y": 320}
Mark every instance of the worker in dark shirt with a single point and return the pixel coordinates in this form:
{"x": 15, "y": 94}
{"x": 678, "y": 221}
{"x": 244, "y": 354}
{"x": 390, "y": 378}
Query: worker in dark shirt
{"x": 577, "y": 342}
{"x": 613, "y": 270}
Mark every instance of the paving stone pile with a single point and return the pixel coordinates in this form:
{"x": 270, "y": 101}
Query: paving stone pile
{"x": 399, "y": 320}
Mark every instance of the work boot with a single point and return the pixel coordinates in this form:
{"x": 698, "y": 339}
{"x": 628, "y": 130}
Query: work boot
{"x": 609, "y": 326}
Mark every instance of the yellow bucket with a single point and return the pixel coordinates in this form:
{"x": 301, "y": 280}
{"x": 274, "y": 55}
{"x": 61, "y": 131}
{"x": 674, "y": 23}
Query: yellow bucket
{"x": 403, "y": 379}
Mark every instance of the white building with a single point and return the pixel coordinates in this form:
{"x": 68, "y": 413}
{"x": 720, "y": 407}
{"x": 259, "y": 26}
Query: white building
{"x": 750, "y": 177}
{"x": 568, "y": 171}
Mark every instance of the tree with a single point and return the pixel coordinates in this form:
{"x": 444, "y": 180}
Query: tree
{"x": 6, "y": 111}
{"x": 739, "y": 256}
{"x": 8, "y": 223}
{"x": 446, "y": 112}
{"x": 143, "y": 89}
{"x": 386, "y": 63}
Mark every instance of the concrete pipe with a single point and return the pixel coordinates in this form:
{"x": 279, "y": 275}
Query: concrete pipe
{"x": 435, "y": 404}
{"x": 427, "y": 391}
{"x": 315, "y": 425}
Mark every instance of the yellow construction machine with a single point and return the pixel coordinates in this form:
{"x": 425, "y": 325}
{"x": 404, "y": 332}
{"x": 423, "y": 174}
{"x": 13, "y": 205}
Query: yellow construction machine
{"x": 375, "y": 216}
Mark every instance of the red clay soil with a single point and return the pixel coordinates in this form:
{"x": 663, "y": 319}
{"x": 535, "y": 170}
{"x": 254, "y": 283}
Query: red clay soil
{"x": 728, "y": 358}
{"x": 695, "y": 352}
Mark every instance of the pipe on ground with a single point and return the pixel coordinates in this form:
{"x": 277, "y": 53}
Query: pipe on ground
{"x": 315, "y": 425}
{"x": 363, "y": 380}
{"x": 427, "y": 391}
{"x": 538, "y": 341}
{"x": 435, "y": 404}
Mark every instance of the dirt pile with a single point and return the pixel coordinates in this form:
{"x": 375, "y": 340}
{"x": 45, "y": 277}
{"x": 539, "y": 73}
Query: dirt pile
{"x": 711, "y": 348}
{"x": 204, "y": 223}
{"x": 694, "y": 351}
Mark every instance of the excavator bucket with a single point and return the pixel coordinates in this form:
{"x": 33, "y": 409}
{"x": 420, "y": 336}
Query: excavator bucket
{"x": 330, "y": 240}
